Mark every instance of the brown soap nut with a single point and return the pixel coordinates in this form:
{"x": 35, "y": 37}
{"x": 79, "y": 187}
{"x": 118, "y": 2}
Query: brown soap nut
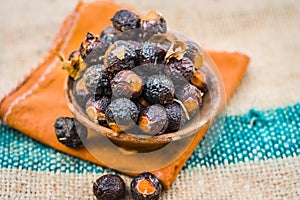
{"x": 81, "y": 93}
{"x": 121, "y": 115}
{"x": 121, "y": 55}
{"x": 125, "y": 20}
{"x": 108, "y": 30}
{"x": 153, "y": 120}
{"x": 96, "y": 108}
{"x": 191, "y": 98}
{"x": 153, "y": 23}
{"x": 126, "y": 84}
{"x": 180, "y": 69}
{"x": 195, "y": 53}
{"x": 70, "y": 132}
{"x": 109, "y": 187}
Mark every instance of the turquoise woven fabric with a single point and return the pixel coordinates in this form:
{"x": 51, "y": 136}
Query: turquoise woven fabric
{"x": 257, "y": 135}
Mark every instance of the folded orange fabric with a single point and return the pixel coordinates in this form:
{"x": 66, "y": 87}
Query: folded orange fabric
{"x": 34, "y": 105}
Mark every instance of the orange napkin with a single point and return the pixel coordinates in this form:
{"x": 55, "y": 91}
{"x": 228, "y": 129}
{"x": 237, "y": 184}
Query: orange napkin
{"x": 34, "y": 105}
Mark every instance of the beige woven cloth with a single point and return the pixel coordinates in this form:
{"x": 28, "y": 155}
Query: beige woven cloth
{"x": 268, "y": 31}
{"x": 261, "y": 180}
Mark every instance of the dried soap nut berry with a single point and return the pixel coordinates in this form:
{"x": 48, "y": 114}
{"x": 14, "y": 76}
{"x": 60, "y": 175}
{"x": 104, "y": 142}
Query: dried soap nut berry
{"x": 125, "y": 20}
{"x": 153, "y": 120}
{"x": 96, "y": 55}
{"x": 109, "y": 187}
{"x": 146, "y": 186}
{"x": 108, "y": 30}
{"x": 95, "y": 109}
{"x": 121, "y": 115}
{"x": 195, "y": 53}
{"x": 153, "y": 23}
{"x": 181, "y": 69}
{"x": 190, "y": 97}
{"x": 121, "y": 55}
{"x": 81, "y": 93}
{"x": 70, "y": 132}
{"x": 107, "y": 35}
{"x": 159, "y": 89}
{"x": 88, "y": 44}
{"x": 149, "y": 69}
{"x": 126, "y": 84}
{"x": 176, "y": 117}
{"x": 151, "y": 53}
{"x": 108, "y": 39}
{"x": 97, "y": 80}
{"x": 131, "y": 35}
{"x": 199, "y": 80}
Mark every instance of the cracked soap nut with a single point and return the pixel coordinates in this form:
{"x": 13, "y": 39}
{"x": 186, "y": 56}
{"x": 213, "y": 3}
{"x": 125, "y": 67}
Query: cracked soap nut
{"x": 126, "y": 84}
{"x": 109, "y": 187}
{"x": 121, "y": 55}
{"x": 159, "y": 89}
{"x": 88, "y": 44}
{"x": 180, "y": 69}
{"x": 121, "y": 114}
{"x": 125, "y": 20}
{"x": 194, "y": 53}
{"x": 70, "y": 132}
{"x": 191, "y": 98}
{"x": 176, "y": 117}
{"x": 153, "y": 120}
{"x": 146, "y": 186}
{"x": 153, "y": 23}
{"x": 80, "y": 92}
{"x": 97, "y": 80}
{"x": 199, "y": 80}
{"x": 95, "y": 109}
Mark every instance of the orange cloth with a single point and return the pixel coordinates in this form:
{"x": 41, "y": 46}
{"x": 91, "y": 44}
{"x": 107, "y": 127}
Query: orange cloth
{"x": 34, "y": 105}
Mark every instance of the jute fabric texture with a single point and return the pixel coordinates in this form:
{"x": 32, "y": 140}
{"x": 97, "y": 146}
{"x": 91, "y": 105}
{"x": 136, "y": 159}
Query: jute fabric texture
{"x": 269, "y": 95}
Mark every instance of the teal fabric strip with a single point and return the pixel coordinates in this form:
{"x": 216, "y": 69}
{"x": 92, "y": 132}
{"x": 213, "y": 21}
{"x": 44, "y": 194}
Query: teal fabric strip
{"x": 257, "y": 135}
{"x": 254, "y": 136}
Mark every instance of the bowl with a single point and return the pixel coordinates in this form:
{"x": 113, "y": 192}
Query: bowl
{"x": 123, "y": 151}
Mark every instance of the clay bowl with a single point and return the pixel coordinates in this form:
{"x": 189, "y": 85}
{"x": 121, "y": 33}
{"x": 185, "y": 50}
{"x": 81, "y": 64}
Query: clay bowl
{"x": 212, "y": 103}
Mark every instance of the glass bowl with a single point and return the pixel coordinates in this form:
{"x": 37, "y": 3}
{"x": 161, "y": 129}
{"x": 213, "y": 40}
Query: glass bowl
{"x": 136, "y": 153}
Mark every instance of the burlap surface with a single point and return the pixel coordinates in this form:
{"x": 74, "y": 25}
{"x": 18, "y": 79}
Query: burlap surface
{"x": 268, "y": 31}
{"x": 262, "y": 180}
